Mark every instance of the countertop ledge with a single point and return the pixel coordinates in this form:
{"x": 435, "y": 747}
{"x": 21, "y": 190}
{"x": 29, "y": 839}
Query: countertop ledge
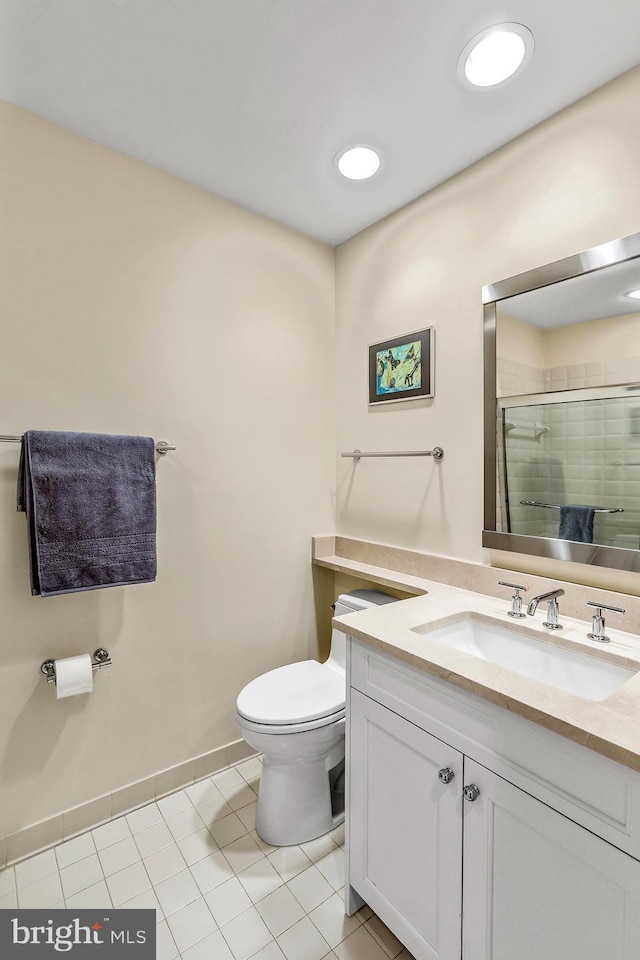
{"x": 610, "y": 727}
{"x": 383, "y": 576}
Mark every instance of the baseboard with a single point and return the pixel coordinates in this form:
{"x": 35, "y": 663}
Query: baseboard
{"x": 69, "y": 823}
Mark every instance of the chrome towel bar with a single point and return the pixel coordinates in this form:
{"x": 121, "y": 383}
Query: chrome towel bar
{"x": 162, "y": 446}
{"x": 538, "y": 428}
{"x": 101, "y": 657}
{"x": 437, "y": 453}
{"x": 556, "y": 506}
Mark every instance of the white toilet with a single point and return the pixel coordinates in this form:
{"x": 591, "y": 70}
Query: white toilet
{"x": 294, "y": 716}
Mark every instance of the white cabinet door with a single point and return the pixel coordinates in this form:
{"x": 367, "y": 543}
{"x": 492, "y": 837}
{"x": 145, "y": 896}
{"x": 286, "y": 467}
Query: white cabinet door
{"x": 405, "y": 829}
{"x": 539, "y": 887}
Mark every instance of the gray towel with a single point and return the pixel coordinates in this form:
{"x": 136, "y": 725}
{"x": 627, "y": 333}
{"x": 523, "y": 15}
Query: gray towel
{"x": 576, "y": 523}
{"x": 90, "y": 501}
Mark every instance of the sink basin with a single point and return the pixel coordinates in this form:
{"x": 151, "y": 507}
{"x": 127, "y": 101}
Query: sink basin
{"x": 568, "y": 670}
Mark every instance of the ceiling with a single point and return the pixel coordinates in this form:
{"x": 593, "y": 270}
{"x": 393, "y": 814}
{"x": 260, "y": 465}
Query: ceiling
{"x": 252, "y": 99}
{"x": 591, "y": 296}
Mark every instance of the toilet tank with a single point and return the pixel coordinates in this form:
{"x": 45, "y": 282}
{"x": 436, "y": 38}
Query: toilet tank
{"x": 349, "y": 603}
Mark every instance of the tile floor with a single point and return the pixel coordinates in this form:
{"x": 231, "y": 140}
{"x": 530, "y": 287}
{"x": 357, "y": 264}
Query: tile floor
{"x": 219, "y": 891}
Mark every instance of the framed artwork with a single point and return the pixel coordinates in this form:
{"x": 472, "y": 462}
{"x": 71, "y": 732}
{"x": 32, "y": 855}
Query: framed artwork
{"x": 402, "y": 368}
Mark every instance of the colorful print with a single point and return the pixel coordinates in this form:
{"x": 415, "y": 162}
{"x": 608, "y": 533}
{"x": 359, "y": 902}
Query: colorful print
{"x": 399, "y": 368}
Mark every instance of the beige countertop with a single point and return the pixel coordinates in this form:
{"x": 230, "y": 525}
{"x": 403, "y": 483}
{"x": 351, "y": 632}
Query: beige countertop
{"x": 610, "y": 727}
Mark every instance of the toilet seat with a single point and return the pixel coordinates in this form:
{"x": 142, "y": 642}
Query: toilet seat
{"x": 309, "y": 694}
{"x": 273, "y": 729}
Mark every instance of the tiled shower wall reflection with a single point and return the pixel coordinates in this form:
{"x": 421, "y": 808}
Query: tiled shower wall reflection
{"x": 517, "y": 378}
{"x": 578, "y": 452}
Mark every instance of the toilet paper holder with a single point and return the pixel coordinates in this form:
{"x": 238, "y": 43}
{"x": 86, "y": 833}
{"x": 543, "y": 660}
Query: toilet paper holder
{"x": 100, "y": 656}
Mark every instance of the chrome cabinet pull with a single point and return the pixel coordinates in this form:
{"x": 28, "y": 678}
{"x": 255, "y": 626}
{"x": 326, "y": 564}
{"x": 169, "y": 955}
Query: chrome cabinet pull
{"x": 446, "y": 775}
{"x": 471, "y": 792}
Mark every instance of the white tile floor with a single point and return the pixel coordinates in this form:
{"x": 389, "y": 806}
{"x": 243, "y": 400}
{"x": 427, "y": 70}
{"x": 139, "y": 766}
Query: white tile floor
{"x": 219, "y": 891}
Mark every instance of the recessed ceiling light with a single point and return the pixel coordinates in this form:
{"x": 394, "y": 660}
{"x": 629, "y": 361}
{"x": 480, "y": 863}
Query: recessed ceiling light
{"x": 496, "y": 54}
{"x": 358, "y": 163}
{"x": 634, "y": 294}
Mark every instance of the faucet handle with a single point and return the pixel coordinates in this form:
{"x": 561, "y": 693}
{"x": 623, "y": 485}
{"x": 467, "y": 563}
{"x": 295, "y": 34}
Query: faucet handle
{"x": 516, "y": 599}
{"x": 597, "y": 622}
{"x": 604, "y": 606}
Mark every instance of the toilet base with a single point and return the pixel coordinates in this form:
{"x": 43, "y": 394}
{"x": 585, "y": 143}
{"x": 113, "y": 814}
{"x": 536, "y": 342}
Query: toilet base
{"x": 301, "y": 793}
{"x": 295, "y": 803}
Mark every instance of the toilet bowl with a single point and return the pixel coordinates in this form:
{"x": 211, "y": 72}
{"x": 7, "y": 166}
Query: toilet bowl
{"x": 295, "y": 716}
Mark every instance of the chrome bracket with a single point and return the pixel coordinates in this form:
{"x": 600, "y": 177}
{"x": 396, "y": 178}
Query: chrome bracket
{"x": 101, "y": 659}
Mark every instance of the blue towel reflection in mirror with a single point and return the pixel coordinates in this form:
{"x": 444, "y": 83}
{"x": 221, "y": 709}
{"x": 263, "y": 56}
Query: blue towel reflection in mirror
{"x": 576, "y": 523}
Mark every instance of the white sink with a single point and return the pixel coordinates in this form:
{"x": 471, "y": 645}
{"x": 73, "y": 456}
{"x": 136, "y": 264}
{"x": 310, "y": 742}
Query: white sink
{"x": 568, "y": 670}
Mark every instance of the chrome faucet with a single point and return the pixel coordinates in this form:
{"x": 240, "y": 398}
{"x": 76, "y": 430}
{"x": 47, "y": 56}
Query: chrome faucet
{"x": 552, "y": 611}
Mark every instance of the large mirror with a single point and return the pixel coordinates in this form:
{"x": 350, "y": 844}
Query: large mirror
{"x": 562, "y": 409}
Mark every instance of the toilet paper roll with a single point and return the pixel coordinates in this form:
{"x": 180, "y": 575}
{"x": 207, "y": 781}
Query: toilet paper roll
{"x": 73, "y": 675}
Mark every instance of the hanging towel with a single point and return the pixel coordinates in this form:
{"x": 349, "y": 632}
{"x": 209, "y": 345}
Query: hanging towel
{"x": 576, "y": 523}
{"x": 90, "y": 501}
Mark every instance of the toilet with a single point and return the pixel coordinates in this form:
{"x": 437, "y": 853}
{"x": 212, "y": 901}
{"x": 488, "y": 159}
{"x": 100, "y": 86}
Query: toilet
{"x": 294, "y": 716}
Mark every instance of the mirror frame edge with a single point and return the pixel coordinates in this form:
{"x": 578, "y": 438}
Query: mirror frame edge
{"x": 588, "y": 261}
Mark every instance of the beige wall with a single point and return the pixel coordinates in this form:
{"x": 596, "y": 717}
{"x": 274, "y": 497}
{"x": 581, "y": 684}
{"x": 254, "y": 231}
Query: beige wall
{"x": 606, "y": 339}
{"x": 570, "y": 183}
{"x": 135, "y": 303}
{"x": 613, "y": 339}
{"x": 520, "y": 341}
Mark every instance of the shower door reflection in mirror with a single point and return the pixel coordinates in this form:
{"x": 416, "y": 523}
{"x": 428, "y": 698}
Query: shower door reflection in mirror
{"x": 572, "y": 466}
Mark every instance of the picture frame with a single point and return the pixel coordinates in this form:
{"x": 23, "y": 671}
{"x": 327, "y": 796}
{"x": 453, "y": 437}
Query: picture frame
{"x": 402, "y": 368}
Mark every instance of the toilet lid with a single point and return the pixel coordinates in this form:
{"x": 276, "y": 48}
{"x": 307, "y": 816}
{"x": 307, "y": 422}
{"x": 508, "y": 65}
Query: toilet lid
{"x": 296, "y": 693}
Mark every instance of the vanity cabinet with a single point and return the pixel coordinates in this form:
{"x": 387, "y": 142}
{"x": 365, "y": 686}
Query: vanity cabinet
{"x": 399, "y": 810}
{"x": 537, "y": 885}
{"x": 515, "y": 872}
